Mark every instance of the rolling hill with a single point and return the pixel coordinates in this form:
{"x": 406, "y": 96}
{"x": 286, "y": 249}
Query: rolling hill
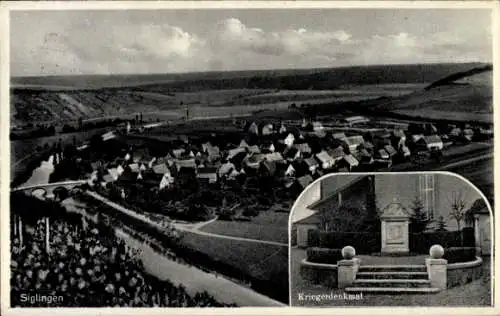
{"x": 463, "y": 96}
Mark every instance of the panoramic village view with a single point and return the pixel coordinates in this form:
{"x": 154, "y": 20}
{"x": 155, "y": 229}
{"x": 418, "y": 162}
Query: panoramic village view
{"x": 159, "y": 169}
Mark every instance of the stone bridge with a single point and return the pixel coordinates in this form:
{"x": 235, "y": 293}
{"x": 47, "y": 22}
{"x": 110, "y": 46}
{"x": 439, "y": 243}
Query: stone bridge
{"x": 47, "y": 189}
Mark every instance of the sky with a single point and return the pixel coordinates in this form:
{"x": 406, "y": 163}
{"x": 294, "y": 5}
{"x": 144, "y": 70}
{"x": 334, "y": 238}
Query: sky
{"x": 175, "y": 41}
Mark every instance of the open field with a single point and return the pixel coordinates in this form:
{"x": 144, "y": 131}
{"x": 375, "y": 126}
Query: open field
{"x": 104, "y": 96}
{"x": 474, "y": 294}
{"x": 449, "y": 115}
{"x": 270, "y": 226}
{"x": 266, "y": 266}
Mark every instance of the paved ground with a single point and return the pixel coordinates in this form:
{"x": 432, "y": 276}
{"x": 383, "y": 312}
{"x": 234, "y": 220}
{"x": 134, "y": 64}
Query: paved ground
{"x": 379, "y": 260}
{"x": 474, "y": 294}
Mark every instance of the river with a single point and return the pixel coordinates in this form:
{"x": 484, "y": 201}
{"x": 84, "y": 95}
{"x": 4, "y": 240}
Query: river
{"x": 41, "y": 174}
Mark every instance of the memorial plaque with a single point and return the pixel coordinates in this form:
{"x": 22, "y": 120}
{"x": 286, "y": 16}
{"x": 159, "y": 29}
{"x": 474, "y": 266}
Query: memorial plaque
{"x": 395, "y": 220}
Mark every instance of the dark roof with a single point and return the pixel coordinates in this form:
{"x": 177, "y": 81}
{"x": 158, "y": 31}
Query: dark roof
{"x": 290, "y": 152}
{"x": 311, "y": 161}
{"x": 207, "y": 170}
{"x": 269, "y": 166}
{"x": 337, "y": 152}
{"x": 479, "y": 207}
{"x": 128, "y": 176}
{"x": 304, "y": 181}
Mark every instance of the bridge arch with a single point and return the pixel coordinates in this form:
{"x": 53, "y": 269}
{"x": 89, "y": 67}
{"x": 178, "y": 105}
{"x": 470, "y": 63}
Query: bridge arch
{"x": 39, "y": 193}
{"x": 60, "y": 193}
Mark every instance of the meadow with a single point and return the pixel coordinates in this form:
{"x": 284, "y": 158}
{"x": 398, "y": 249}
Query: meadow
{"x": 268, "y": 225}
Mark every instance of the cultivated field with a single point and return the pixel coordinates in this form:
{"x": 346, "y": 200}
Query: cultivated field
{"x": 268, "y": 225}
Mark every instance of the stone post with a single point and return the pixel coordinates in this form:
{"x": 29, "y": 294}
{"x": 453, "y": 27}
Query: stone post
{"x": 477, "y": 235}
{"x": 347, "y": 268}
{"x": 437, "y": 267}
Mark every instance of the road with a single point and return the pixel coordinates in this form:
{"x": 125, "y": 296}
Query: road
{"x": 192, "y": 278}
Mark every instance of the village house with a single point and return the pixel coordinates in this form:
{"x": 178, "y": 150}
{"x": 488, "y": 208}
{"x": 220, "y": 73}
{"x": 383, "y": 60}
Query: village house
{"x": 304, "y": 149}
{"x": 225, "y": 169}
{"x": 274, "y": 157}
{"x": 325, "y": 160}
{"x": 289, "y": 171}
{"x": 340, "y": 136}
{"x": 354, "y": 120}
{"x": 178, "y": 153}
{"x": 311, "y": 164}
{"x": 348, "y": 163}
{"x": 267, "y": 168}
{"x": 253, "y": 161}
{"x": 233, "y": 152}
{"x": 317, "y": 127}
{"x": 390, "y": 151}
{"x": 289, "y": 140}
{"x": 254, "y": 149}
{"x": 431, "y": 142}
{"x": 267, "y": 129}
{"x": 300, "y": 184}
{"x": 253, "y": 128}
{"x": 282, "y": 129}
{"x": 185, "y": 164}
{"x": 207, "y": 174}
{"x": 337, "y": 154}
{"x": 291, "y": 154}
{"x": 352, "y": 142}
{"x": 243, "y": 143}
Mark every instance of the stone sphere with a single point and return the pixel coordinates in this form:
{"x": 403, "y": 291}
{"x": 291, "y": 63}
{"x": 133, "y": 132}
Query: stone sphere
{"x": 348, "y": 252}
{"x": 436, "y": 252}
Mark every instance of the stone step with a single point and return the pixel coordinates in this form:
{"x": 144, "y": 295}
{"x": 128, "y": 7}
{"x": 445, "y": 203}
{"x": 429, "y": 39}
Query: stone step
{"x": 392, "y": 275}
{"x": 392, "y": 290}
{"x": 380, "y": 268}
{"x": 410, "y": 283}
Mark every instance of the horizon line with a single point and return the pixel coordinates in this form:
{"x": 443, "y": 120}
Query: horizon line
{"x": 251, "y": 70}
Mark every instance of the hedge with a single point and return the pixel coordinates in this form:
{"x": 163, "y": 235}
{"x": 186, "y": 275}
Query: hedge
{"x": 460, "y": 254}
{"x": 422, "y": 242}
{"x": 363, "y": 242}
{"x": 324, "y": 255}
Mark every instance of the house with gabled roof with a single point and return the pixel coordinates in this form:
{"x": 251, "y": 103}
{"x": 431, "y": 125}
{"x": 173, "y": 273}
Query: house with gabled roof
{"x": 431, "y": 142}
{"x": 325, "y": 160}
{"x": 234, "y": 151}
{"x": 311, "y": 164}
{"x": 353, "y": 142}
{"x": 304, "y": 148}
{"x": 267, "y": 168}
{"x": 207, "y": 174}
{"x": 161, "y": 168}
{"x": 348, "y": 163}
{"x": 292, "y": 154}
{"x": 289, "y": 140}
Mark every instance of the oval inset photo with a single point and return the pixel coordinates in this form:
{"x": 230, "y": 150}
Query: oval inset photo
{"x": 391, "y": 239}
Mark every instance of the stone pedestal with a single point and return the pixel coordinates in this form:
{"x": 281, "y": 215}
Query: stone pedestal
{"x": 395, "y": 221}
{"x": 437, "y": 270}
{"x": 347, "y": 270}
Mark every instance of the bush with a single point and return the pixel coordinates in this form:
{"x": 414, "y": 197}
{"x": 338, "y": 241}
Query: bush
{"x": 421, "y": 243}
{"x": 459, "y": 254}
{"x": 324, "y": 255}
{"x": 364, "y": 243}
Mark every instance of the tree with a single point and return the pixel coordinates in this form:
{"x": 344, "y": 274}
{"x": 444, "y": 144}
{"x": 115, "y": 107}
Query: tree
{"x": 441, "y": 224}
{"x": 419, "y": 219}
{"x": 458, "y": 209}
